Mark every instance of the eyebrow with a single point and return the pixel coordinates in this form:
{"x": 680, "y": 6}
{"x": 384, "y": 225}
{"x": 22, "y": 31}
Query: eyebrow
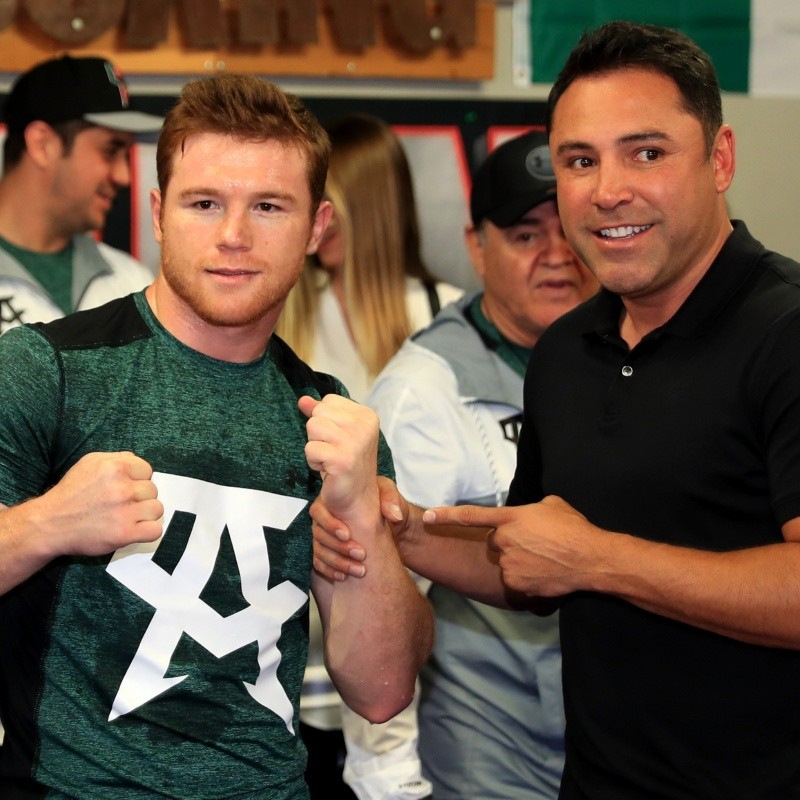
{"x": 213, "y": 192}
{"x": 120, "y": 141}
{"x": 630, "y": 138}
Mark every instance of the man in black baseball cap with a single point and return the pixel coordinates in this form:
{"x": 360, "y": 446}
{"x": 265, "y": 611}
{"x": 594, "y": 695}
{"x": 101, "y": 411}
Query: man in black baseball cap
{"x": 530, "y": 274}
{"x": 68, "y": 88}
{"x": 69, "y": 130}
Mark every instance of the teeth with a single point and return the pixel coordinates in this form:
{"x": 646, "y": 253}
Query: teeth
{"x": 621, "y": 233}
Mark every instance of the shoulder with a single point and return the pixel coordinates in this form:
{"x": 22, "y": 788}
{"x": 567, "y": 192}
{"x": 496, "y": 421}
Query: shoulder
{"x": 113, "y": 324}
{"x": 30, "y": 379}
{"x": 124, "y": 264}
{"x": 761, "y": 278}
{"x": 414, "y": 364}
{"x": 20, "y": 345}
{"x": 448, "y": 293}
{"x": 419, "y": 303}
{"x": 414, "y": 376}
{"x": 299, "y": 375}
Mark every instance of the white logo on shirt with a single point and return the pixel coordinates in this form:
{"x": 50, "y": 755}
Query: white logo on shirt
{"x": 176, "y": 596}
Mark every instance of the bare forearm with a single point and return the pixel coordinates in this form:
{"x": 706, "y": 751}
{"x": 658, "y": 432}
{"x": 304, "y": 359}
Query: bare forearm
{"x": 379, "y": 633}
{"x": 457, "y": 558}
{"x": 23, "y": 545}
{"x": 105, "y": 501}
{"x": 752, "y": 595}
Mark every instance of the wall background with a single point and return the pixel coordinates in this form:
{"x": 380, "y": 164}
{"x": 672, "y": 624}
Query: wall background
{"x": 446, "y": 126}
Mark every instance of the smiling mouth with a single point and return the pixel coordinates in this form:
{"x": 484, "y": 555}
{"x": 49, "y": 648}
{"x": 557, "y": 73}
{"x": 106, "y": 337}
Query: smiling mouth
{"x": 623, "y": 232}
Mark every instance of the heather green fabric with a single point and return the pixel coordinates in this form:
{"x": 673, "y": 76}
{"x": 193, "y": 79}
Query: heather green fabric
{"x": 53, "y": 271}
{"x": 113, "y": 379}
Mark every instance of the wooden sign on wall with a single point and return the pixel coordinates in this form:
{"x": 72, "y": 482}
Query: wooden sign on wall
{"x": 358, "y": 38}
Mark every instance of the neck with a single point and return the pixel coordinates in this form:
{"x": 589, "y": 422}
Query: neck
{"x": 507, "y": 330}
{"x": 239, "y": 344}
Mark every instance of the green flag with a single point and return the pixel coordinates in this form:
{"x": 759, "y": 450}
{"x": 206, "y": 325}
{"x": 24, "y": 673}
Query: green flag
{"x": 720, "y": 27}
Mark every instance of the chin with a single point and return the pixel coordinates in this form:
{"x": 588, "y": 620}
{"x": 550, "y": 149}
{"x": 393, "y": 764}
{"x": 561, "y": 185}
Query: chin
{"x": 237, "y": 316}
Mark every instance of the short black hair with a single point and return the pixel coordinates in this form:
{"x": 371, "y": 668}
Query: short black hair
{"x": 14, "y": 144}
{"x": 622, "y": 45}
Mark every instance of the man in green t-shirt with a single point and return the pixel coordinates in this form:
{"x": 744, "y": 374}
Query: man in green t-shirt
{"x": 157, "y": 455}
{"x": 69, "y": 131}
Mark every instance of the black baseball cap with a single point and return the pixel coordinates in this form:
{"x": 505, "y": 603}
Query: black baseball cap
{"x": 514, "y": 178}
{"x": 69, "y": 88}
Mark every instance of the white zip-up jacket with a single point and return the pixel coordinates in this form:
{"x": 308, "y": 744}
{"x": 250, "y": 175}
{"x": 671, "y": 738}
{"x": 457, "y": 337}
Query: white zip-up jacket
{"x": 99, "y": 273}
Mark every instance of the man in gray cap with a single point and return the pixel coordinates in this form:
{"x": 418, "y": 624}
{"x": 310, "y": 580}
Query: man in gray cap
{"x": 69, "y": 130}
{"x": 491, "y": 720}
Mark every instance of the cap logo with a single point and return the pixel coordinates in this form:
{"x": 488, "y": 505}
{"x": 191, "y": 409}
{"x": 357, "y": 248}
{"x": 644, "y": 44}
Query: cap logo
{"x": 115, "y": 79}
{"x": 538, "y": 163}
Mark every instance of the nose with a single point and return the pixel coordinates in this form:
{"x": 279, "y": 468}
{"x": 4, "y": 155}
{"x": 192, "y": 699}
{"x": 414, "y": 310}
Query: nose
{"x": 556, "y": 251}
{"x": 234, "y": 230}
{"x": 121, "y": 170}
{"x": 611, "y": 187}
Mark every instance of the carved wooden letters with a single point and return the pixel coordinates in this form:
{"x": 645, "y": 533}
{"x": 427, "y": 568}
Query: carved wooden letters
{"x": 353, "y": 23}
{"x": 8, "y": 8}
{"x": 415, "y": 25}
{"x": 75, "y": 22}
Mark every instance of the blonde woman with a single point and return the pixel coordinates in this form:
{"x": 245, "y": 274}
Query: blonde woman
{"x": 359, "y": 298}
{"x": 367, "y": 289}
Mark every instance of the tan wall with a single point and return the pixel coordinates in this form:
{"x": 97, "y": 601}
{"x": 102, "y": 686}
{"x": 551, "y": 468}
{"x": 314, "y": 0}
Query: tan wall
{"x": 766, "y": 189}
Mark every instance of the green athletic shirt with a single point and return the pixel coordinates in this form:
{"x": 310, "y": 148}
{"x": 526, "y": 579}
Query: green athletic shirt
{"x": 170, "y": 670}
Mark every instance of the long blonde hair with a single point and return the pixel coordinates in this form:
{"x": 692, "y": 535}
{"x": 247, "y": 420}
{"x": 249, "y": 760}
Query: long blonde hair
{"x": 369, "y": 184}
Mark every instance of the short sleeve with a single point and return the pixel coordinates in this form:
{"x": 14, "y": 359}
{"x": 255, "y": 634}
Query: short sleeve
{"x": 30, "y": 410}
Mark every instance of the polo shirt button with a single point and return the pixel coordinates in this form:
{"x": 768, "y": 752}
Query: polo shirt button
{"x": 627, "y": 371}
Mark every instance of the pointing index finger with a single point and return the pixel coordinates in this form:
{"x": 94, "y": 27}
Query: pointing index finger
{"x": 466, "y": 516}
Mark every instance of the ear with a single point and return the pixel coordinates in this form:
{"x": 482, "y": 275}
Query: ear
{"x": 321, "y": 219}
{"x": 475, "y": 248}
{"x": 42, "y": 144}
{"x": 724, "y": 158}
{"x": 155, "y": 213}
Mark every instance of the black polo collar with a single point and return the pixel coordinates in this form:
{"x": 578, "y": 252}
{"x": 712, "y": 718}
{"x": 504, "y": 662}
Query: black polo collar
{"x": 730, "y": 269}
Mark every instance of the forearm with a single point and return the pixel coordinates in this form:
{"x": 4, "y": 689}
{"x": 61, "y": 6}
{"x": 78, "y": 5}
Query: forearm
{"x": 752, "y": 595}
{"x": 379, "y": 631}
{"x": 457, "y": 558}
{"x": 24, "y": 546}
{"x": 104, "y": 502}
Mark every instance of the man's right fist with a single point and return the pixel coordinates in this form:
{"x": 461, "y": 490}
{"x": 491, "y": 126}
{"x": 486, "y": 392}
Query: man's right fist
{"x": 105, "y": 501}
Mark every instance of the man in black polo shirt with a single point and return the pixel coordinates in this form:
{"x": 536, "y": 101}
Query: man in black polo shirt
{"x": 657, "y": 489}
